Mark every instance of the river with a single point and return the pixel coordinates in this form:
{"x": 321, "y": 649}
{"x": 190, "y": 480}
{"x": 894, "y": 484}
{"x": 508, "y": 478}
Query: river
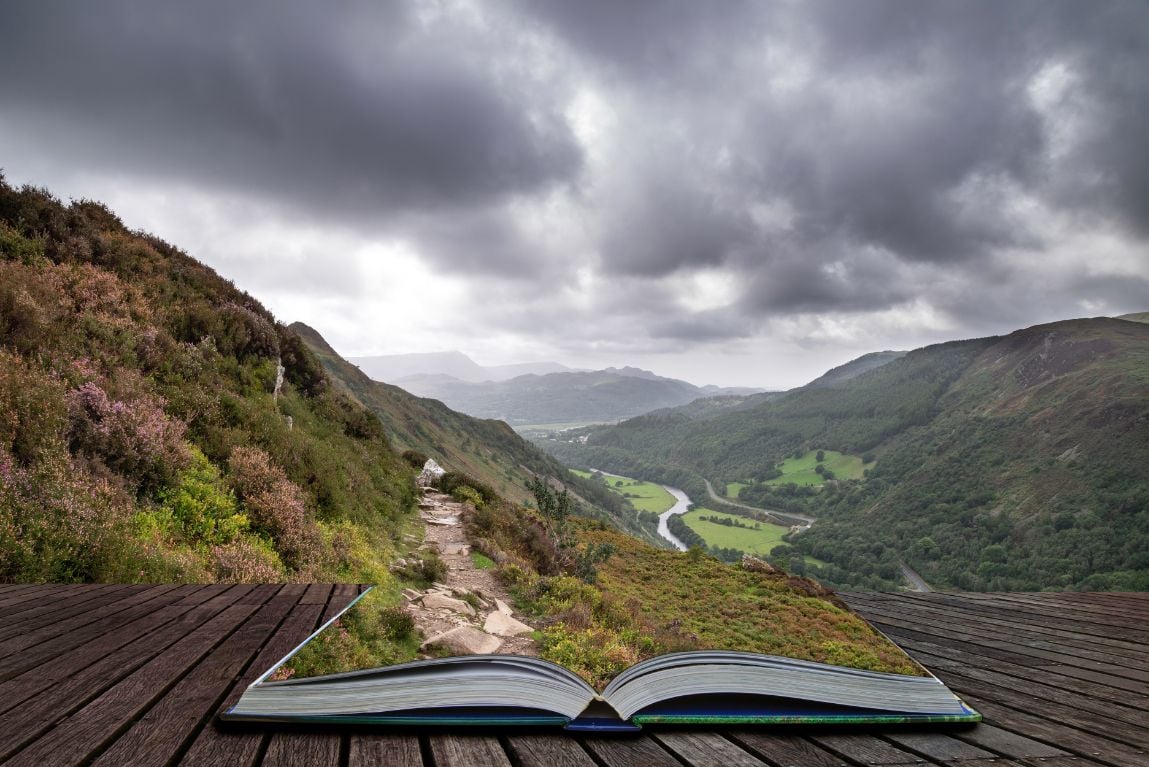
{"x": 681, "y": 505}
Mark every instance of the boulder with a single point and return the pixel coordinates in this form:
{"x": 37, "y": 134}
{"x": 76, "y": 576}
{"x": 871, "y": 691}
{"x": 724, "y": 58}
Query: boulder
{"x": 503, "y": 625}
{"x": 436, "y": 601}
{"x": 502, "y": 607}
{"x": 464, "y": 640}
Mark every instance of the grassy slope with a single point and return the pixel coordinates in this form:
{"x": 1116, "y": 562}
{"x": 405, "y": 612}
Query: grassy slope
{"x": 802, "y": 471}
{"x": 487, "y": 450}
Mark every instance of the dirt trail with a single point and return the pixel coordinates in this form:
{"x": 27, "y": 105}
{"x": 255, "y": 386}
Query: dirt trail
{"x": 470, "y": 611}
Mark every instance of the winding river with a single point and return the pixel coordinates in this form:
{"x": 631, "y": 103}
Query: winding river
{"x": 681, "y": 505}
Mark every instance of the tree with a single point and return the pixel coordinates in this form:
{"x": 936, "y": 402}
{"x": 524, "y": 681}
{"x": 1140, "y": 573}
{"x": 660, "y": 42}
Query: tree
{"x": 820, "y": 456}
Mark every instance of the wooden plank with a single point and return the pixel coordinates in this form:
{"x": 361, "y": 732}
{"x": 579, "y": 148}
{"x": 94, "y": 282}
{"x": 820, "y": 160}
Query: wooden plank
{"x": 787, "y": 749}
{"x": 316, "y": 594}
{"x": 625, "y": 752}
{"x": 1064, "y": 716}
{"x": 453, "y": 750}
{"x": 218, "y": 745}
{"x": 1041, "y": 652}
{"x": 1072, "y": 632}
{"x": 341, "y": 596}
{"x": 29, "y": 593}
{"x": 47, "y": 692}
{"x": 1087, "y": 696}
{"x": 288, "y": 749}
{"x": 162, "y": 731}
{"x": 548, "y": 751}
{"x": 706, "y": 749}
{"x": 1009, "y": 743}
{"x": 938, "y": 746}
{"x": 1056, "y": 635}
{"x": 18, "y": 654}
{"x": 52, "y": 606}
{"x": 384, "y": 751}
{"x": 85, "y": 733}
{"x": 859, "y": 748}
{"x": 1078, "y": 742}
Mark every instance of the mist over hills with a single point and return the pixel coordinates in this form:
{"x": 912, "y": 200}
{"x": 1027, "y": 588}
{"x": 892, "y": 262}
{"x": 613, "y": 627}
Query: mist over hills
{"x": 397, "y": 368}
{"x": 575, "y": 397}
{"x": 1012, "y": 462}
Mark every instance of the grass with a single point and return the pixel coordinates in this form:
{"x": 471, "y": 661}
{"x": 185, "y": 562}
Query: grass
{"x": 644, "y": 496}
{"x": 759, "y": 541}
{"x": 801, "y": 471}
{"x": 481, "y": 561}
{"x": 734, "y": 488}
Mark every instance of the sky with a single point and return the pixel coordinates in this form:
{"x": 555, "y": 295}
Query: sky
{"x": 736, "y": 193}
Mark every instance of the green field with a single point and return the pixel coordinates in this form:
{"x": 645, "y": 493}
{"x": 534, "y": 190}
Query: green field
{"x": 758, "y": 541}
{"x": 800, "y": 471}
{"x": 734, "y": 488}
{"x": 645, "y": 496}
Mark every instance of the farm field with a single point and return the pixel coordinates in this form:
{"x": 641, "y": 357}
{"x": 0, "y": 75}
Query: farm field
{"x": 645, "y": 496}
{"x": 801, "y": 471}
{"x": 757, "y": 541}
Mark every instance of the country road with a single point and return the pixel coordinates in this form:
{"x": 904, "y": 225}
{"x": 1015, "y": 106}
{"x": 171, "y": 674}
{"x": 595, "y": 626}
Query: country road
{"x": 785, "y": 517}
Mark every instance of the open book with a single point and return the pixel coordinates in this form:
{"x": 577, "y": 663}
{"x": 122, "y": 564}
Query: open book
{"x": 697, "y": 687}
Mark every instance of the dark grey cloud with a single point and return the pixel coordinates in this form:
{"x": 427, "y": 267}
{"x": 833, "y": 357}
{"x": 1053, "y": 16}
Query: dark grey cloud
{"x": 582, "y": 162}
{"x": 344, "y": 109}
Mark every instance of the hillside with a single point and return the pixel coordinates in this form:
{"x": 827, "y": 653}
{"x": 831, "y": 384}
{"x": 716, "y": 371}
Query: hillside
{"x": 1002, "y": 463}
{"x": 157, "y": 424}
{"x": 487, "y": 450}
{"x": 600, "y": 396}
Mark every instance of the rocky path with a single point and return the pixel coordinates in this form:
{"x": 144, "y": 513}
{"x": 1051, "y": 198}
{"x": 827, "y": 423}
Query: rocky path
{"x": 468, "y": 613}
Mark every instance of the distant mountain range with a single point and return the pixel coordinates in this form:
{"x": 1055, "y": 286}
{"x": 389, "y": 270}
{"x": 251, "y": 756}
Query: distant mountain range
{"x": 396, "y": 368}
{"x": 544, "y": 393}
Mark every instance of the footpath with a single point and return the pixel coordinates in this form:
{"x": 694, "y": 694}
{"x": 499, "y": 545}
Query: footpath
{"x": 469, "y": 612}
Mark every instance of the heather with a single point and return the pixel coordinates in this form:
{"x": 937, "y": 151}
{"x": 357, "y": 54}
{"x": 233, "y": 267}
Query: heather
{"x": 156, "y": 423}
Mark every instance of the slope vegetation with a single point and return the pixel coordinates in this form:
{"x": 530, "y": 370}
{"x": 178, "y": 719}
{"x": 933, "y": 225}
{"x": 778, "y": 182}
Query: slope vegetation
{"x": 157, "y": 424}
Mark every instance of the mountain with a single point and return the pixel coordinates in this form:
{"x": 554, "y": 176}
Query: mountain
{"x": 562, "y": 398}
{"x": 157, "y": 424}
{"x": 1013, "y": 462}
{"x": 488, "y": 450}
{"x": 853, "y": 369}
{"x": 395, "y": 368}
{"x": 1135, "y": 317}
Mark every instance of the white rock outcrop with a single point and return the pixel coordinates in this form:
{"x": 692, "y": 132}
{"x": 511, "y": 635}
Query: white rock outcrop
{"x": 503, "y": 625}
{"x": 430, "y": 473}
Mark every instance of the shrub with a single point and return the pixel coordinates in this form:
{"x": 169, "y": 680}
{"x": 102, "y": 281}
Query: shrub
{"x": 275, "y": 506}
{"x": 245, "y": 561}
{"x": 133, "y": 438}
{"x": 415, "y": 459}
{"x": 202, "y": 506}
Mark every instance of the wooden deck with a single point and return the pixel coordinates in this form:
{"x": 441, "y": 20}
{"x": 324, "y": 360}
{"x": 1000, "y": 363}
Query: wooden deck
{"x": 134, "y": 675}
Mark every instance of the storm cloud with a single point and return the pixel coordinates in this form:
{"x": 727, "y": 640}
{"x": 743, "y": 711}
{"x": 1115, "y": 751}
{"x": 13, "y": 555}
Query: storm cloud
{"x": 613, "y": 182}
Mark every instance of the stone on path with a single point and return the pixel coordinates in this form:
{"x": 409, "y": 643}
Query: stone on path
{"x": 442, "y": 601}
{"x": 430, "y": 474}
{"x": 411, "y": 594}
{"x": 503, "y": 625}
{"x": 501, "y": 606}
{"x": 454, "y": 549}
{"x": 465, "y": 640}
